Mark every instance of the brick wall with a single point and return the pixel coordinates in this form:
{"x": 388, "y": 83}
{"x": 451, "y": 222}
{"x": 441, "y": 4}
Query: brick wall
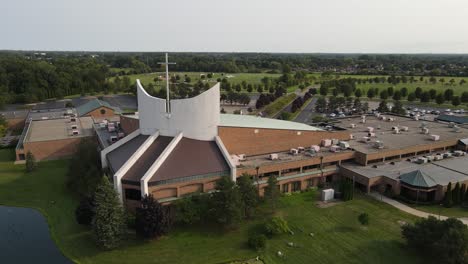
{"x": 245, "y": 141}
{"x": 53, "y": 149}
{"x": 129, "y": 124}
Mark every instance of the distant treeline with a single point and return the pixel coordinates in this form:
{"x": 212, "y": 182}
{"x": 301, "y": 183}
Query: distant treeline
{"x": 32, "y": 76}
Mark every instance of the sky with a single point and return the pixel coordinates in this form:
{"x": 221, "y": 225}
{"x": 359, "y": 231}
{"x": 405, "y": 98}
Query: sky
{"x": 299, "y": 26}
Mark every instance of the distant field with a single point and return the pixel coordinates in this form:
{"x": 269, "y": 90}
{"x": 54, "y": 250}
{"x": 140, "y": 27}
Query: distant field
{"x": 425, "y": 84}
{"x": 234, "y": 78}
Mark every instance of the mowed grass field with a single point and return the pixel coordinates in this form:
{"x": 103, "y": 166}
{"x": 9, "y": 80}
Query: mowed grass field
{"x": 338, "y": 237}
{"x": 425, "y": 84}
{"x": 234, "y": 78}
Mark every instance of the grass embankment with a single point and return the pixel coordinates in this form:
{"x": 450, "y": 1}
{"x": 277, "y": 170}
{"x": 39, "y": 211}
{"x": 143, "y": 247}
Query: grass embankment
{"x": 278, "y": 105}
{"x": 338, "y": 237}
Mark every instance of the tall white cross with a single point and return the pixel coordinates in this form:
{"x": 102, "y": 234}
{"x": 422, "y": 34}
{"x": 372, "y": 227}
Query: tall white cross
{"x": 168, "y": 106}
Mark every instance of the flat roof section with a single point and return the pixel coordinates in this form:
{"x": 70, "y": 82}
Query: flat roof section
{"x": 191, "y": 158}
{"x": 229, "y": 120}
{"x": 120, "y": 155}
{"x": 55, "y": 129}
{"x": 383, "y": 132}
{"x": 440, "y": 174}
{"x": 142, "y": 165}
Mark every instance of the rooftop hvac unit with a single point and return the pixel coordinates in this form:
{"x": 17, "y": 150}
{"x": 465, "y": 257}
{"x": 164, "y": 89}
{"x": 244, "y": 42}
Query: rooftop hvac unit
{"x": 404, "y": 128}
{"x": 241, "y": 157}
{"x": 421, "y": 160}
{"x": 311, "y": 152}
{"x": 73, "y": 119}
{"x": 435, "y": 137}
{"x": 273, "y": 156}
{"x": 113, "y": 139}
{"x": 335, "y": 141}
{"x": 438, "y": 157}
{"x": 351, "y": 136}
{"x": 74, "y": 127}
{"x": 335, "y": 148}
{"x": 301, "y": 149}
{"x": 430, "y": 158}
{"x": 425, "y": 130}
{"x": 316, "y": 148}
{"x": 396, "y": 130}
{"x": 235, "y": 160}
{"x": 391, "y": 119}
{"x": 75, "y": 132}
{"x": 423, "y": 124}
{"x": 69, "y": 112}
{"x": 416, "y": 117}
{"x": 377, "y": 115}
{"x": 102, "y": 125}
{"x": 326, "y": 142}
{"x": 456, "y": 129}
{"x": 121, "y": 135}
{"x": 364, "y": 139}
{"x": 451, "y": 124}
{"x": 370, "y": 134}
{"x": 293, "y": 151}
{"x": 327, "y": 195}
{"x": 378, "y": 145}
{"x": 447, "y": 155}
{"x": 344, "y": 145}
{"x": 352, "y": 126}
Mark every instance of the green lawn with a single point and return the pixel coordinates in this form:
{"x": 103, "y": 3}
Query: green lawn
{"x": 234, "y": 78}
{"x": 455, "y": 211}
{"x": 277, "y": 105}
{"x": 338, "y": 237}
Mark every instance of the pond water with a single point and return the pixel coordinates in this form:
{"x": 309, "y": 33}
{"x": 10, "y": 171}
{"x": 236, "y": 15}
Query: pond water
{"x": 25, "y": 237}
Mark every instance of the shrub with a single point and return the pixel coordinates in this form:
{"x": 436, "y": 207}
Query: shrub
{"x": 276, "y": 226}
{"x": 363, "y": 219}
{"x": 84, "y": 213}
{"x": 152, "y": 219}
{"x": 257, "y": 241}
{"x": 30, "y": 162}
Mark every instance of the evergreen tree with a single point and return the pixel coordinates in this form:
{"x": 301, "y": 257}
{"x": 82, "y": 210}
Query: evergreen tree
{"x": 398, "y": 108}
{"x": 462, "y": 193}
{"x": 448, "y": 202}
{"x": 84, "y": 213}
{"x": 227, "y": 202}
{"x": 109, "y": 221}
{"x": 30, "y": 162}
{"x": 456, "y": 194}
{"x": 152, "y": 219}
{"x": 272, "y": 192}
{"x": 383, "y": 108}
{"x": 249, "y": 195}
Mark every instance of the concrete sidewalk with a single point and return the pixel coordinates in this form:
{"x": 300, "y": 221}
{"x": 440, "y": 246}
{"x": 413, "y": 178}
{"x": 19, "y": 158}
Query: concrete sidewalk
{"x": 408, "y": 209}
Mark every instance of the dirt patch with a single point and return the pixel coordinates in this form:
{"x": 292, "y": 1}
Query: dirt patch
{"x": 321, "y": 204}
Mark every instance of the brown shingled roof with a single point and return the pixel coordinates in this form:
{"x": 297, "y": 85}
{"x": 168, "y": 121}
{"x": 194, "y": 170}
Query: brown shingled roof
{"x": 120, "y": 155}
{"x": 142, "y": 165}
{"x": 190, "y": 158}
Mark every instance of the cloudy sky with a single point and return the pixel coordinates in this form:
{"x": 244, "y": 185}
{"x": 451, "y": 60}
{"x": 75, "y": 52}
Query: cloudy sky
{"x": 361, "y": 26}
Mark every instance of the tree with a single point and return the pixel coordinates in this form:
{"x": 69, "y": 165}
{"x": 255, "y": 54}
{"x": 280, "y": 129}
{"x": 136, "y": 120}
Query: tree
{"x": 30, "y": 162}
{"x": 411, "y": 97}
{"x": 272, "y": 193}
{"x": 323, "y": 90}
{"x": 358, "y": 93}
{"x": 84, "y": 171}
{"x": 109, "y": 221}
{"x": 248, "y": 194}
{"x": 440, "y": 99}
{"x": 152, "y": 219}
{"x": 456, "y": 101}
{"x": 418, "y": 92}
{"x": 384, "y": 94}
{"x": 464, "y": 97}
{"x": 227, "y": 203}
{"x": 84, "y": 213}
{"x": 448, "y": 94}
{"x": 404, "y": 92}
{"x": 370, "y": 93}
{"x": 462, "y": 193}
{"x": 456, "y": 194}
{"x": 425, "y": 97}
{"x": 448, "y": 200}
{"x": 398, "y": 108}
{"x": 363, "y": 219}
{"x": 321, "y": 105}
{"x": 383, "y": 107}
{"x": 445, "y": 241}
{"x": 397, "y": 95}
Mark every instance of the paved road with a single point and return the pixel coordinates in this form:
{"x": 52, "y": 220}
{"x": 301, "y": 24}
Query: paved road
{"x": 306, "y": 115}
{"x": 410, "y": 210}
